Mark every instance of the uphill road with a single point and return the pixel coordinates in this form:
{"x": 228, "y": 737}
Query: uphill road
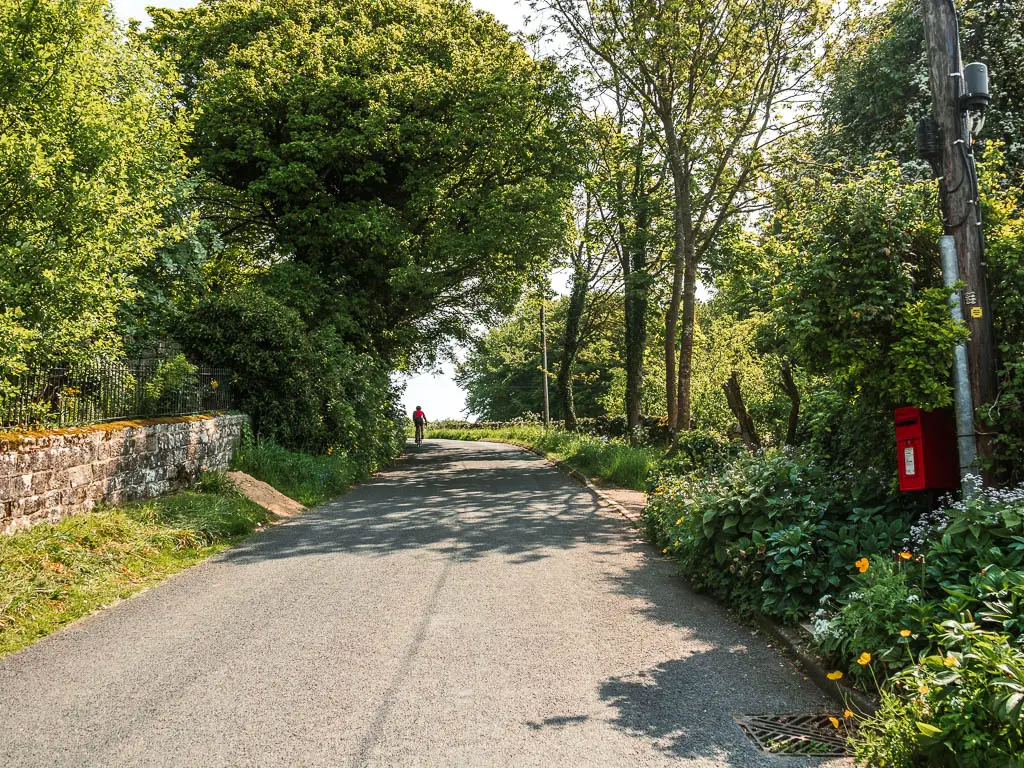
{"x": 471, "y": 606}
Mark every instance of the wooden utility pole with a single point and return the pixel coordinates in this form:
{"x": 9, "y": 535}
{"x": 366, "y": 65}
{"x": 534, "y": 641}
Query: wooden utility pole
{"x": 961, "y": 211}
{"x": 544, "y": 363}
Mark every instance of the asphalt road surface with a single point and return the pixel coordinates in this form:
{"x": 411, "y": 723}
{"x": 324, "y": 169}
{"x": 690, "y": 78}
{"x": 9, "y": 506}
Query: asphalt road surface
{"x": 470, "y": 607}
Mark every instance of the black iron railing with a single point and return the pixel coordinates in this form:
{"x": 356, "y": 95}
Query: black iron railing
{"x": 92, "y": 393}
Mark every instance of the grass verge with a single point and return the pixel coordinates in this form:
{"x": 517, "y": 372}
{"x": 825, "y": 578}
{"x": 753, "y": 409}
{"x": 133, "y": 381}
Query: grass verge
{"x": 55, "y": 573}
{"x": 613, "y": 461}
{"x": 309, "y": 479}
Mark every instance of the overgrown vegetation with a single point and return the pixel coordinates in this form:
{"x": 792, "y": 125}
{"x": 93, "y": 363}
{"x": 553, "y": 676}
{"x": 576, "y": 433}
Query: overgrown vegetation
{"x": 55, "y": 573}
{"x": 359, "y": 226}
{"x": 920, "y": 606}
{"x": 780, "y": 529}
{"x": 307, "y": 193}
{"x": 309, "y": 479}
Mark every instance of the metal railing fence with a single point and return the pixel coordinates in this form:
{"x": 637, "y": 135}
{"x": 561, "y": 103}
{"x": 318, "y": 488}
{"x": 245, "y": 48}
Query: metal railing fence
{"x": 109, "y": 390}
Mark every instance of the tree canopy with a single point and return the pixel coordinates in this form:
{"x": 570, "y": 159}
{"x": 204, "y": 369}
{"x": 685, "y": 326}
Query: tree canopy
{"x": 89, "y": 159}
{"x": 409, "y": 152}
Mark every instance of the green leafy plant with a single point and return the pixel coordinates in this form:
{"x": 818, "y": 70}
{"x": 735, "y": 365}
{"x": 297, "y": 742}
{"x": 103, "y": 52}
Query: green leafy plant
{"x": 781, "y": 529}
{"x": 994, "y": 597}
{"x": 962, "y": 539}
{"x": 793, "y": 570}
{"x": 699, "y": 450}
{"x": 869, "y": 617}
{"x": 963, "y": 703}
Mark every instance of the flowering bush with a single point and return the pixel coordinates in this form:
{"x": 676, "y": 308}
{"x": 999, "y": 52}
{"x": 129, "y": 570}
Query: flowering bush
{"x": 959, "y": 705}
{"x": 963, "y": 538}
{"x": 968, "y": 560}
{"x": 872, "y": 614}
{"x": 930, "y": 615}
{"x": 944, "y": 622}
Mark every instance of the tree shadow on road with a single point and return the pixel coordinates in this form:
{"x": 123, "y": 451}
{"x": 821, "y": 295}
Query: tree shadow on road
{"x": 685, "y": 706}
{"x": 464, "y": 502}
{"x": 452, "y": 501}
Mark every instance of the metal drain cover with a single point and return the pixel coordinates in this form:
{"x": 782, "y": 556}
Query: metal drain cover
{"x": 796, "y": 734}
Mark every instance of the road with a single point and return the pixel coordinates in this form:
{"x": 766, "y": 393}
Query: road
{"x": 470, "y": 607}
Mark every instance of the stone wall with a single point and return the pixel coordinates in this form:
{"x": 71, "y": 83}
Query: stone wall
{"x": 50, "y": 475}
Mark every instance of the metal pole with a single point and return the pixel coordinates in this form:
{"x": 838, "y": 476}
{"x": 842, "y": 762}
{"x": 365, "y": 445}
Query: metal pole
{"x": 961, "y": 212}
{"x": 544, "y": 356}
{"x": 965, "y": 437}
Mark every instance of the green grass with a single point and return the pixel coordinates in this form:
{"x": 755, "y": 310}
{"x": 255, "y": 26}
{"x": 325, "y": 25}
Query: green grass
{"x": 310, "y": 480}
{"x": 55, "y": 573}
{"x": 612, "y": 461}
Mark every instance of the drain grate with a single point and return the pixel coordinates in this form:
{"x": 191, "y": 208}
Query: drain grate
{"x": 795, "y": 734}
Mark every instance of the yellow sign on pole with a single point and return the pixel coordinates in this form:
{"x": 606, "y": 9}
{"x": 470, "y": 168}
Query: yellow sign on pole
{"x": 976, "y": 313}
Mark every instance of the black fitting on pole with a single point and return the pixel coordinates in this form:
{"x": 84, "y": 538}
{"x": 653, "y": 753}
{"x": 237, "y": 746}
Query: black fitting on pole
{"x": 929, "y": 142}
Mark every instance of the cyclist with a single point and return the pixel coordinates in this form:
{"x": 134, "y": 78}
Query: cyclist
{"x": 419, "y": 418}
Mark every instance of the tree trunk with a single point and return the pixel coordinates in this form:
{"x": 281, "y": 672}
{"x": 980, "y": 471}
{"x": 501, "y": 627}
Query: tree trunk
{"x": 739, "y": 409}
{"x": 571, "y": 347}
{"x": 671, "y": 321}
{"x": 637, "y": 288}
{"x": 681, "y": 224}
{"x": 789, "y": 387}
{"x": 689, "y": 311}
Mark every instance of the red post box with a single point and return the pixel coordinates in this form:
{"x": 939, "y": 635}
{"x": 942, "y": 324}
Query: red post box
{"x": 926, "y": 449}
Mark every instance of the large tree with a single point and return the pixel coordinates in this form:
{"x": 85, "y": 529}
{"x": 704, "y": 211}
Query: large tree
{"x": 717, "y": 76}
{"x": 89, "y": 160}
{"x": 594, "y": 287}
{"x": 409, "y": 152}
{"x": 629, "y": 191}
{"x": 503, "y": 373}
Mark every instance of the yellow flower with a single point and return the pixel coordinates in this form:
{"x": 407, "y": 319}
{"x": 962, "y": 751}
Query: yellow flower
{"x": 923, "y": 689}
{"x": 664, "y": 551}
{"x": 677, "y": 544}
{"x": 847, "y": 713}
{"x": 950, "y": 661}
{"x": 837, "y": 675}
{"x": 862, "y": 564}
{"x": 834, "y": 721}
{"x": 214, "y": 383}
{"x": 330, "y": 450}
{"x": 904, "y": 633}
{"x": 679, "y": 521}
{"x": 864, "y": 659}
{"x": 905, "y": 555}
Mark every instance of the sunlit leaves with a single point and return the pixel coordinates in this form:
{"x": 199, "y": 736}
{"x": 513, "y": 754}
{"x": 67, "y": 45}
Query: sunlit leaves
{"x": 88, "y": 160}
{"x": 409, "y": 151}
